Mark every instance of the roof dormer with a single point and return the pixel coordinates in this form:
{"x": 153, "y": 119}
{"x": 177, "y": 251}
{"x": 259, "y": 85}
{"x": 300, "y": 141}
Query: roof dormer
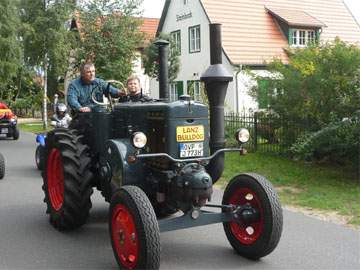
{"x": 300, "y": 28}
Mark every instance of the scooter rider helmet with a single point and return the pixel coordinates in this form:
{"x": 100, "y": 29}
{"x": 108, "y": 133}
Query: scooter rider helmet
{"x": 61, "y": 110}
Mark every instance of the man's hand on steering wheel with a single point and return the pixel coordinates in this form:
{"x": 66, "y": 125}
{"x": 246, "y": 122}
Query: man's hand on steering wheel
{"x": 121, "y": 93}
{"x": 84, "y": 109}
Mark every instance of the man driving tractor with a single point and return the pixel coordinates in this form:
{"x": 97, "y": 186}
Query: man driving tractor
{"x": 80, "y": 89}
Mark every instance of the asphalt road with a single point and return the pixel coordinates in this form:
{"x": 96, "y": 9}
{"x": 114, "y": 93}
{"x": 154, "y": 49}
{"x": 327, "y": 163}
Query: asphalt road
{"x": 27, "y": 241}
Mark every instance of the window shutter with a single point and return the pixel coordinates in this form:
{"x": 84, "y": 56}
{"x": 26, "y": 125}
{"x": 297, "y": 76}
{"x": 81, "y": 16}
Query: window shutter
{"x": 180, "y": 88}
{"x": 290, "y": 36}
{"x": 263, "y": 94}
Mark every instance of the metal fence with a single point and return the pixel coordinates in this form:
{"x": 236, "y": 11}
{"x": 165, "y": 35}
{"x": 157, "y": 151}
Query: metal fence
{"x": 269, "y": 133}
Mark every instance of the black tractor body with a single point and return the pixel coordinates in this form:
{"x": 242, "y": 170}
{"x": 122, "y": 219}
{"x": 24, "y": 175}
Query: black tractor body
{"x": 151, "y": 160}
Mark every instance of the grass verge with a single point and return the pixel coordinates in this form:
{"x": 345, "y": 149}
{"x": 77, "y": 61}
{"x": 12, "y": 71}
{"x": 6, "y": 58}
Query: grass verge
{"x": 310, "y": 186}
{"x": 34, "y": 127}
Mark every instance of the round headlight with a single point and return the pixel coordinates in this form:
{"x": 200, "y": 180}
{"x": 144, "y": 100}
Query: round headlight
{"x": 138, "y": 140}
{"x": 242, "y": 135}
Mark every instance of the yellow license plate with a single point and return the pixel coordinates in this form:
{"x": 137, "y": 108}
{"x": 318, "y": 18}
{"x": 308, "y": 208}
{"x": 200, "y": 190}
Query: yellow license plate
{"x": 190, "y": 133}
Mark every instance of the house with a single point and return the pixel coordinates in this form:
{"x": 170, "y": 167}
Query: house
{"x": 254, "y": 32}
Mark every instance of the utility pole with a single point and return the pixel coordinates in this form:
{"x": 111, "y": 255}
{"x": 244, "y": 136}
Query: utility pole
{"x": 45, "y": 93}
{"x": 45, "y": 82}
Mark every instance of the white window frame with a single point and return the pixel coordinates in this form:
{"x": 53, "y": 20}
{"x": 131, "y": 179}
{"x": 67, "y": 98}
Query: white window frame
{"x": 197, "y": 91}
{"x": 173, "y": 91}
{"x": 302, "y": 37}
{"x": 194, "y": 39}
{"x": 176, "y": 37}
{"x": 194, "y": 86}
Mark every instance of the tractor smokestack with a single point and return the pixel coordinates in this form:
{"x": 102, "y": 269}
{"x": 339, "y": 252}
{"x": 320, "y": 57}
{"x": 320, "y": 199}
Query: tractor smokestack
{"x": 216, "y": 79}
{"x": 163, "y": 73}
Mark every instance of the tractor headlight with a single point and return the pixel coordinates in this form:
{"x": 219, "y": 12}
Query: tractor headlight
{"x": 242, "y": 135}
{"x": 138, "y": 140}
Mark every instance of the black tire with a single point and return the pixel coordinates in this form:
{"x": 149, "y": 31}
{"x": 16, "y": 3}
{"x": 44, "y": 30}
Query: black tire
{"x": 39, "y": 157}
{"x": 2, "y": 166}
{"x": 67, "y": 179}
{"x": 16, "y": 133}
{"x": 134, "y": 230}
{"x": 258, "y": 238}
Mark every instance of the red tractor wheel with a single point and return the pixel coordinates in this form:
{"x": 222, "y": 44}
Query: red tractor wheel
{"x": 134, "y": 230}
{"x": 256, "y": 237}
{"x": 67, "y": 179}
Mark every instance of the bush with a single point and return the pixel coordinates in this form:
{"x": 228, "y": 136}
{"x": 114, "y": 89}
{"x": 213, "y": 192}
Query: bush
{"x": 338, "y": 142}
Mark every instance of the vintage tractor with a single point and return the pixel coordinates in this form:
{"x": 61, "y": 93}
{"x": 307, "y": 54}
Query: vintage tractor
{"x": 152, "y": 159}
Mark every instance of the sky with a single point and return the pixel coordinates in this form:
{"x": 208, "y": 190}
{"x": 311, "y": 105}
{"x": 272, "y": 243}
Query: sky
{"x": 153, "y": 8}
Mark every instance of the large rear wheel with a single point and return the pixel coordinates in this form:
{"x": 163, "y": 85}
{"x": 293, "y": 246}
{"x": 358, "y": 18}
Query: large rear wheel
{"x": 134, "y": 230}
{"x": 258, "y": 236}
{"x": 67, "y": 179}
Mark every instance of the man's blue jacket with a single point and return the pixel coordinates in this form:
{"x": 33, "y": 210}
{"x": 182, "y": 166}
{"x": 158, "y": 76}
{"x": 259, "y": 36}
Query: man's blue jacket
{"x": 79, "y": 93}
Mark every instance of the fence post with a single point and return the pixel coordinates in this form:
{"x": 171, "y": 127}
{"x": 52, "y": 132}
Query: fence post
{"x": 255, "y": 131}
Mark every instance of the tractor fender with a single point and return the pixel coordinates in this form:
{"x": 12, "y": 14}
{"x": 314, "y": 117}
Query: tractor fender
{"x": 40, "y": 138}
{"x": 116, "y": 156}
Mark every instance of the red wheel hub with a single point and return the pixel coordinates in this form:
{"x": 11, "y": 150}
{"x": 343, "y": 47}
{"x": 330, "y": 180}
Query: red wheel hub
{"x": 55, "y": 179}
{"x": 247, "y": 234}
{"x": 124, "y": 236}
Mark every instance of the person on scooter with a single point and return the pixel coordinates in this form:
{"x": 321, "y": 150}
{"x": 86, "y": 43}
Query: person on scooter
{"x": 61, "y": 117}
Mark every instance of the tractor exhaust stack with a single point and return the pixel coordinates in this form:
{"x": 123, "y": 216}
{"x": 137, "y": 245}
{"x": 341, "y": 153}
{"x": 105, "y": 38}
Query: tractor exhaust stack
{"x": 216, "y": 79}
{"x": 163, "y": 74}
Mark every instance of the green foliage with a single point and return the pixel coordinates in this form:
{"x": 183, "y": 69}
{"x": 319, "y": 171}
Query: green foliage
{"x": 151, "y": 59}
{"x": 317, "y": 89}
{"x": 109, "y": 36}
{"x": 45, "y": 34}
{"x": 10, "y": 47}
{"x": 320, "y": 83}
{"x": 337, "y": 142}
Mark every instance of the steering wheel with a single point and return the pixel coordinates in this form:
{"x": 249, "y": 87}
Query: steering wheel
{"x": 107, "y": 100}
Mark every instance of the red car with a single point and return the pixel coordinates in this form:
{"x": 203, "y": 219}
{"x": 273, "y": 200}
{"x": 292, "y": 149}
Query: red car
{"x": 8, "y": 122}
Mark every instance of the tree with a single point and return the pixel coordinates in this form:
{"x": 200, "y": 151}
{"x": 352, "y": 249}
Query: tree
{"x": 10, "y": 48}
{"x": 319, "y": 89}
{"x": 320, "y": 84}
{"x": 151, "y": 59}
{"x": 109, "y": 36}
{"x": 46, "y": 42}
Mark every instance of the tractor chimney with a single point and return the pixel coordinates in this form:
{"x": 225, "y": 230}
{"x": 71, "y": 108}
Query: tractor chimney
{"x": 216, "y": 79}
{"x": 163, "y": 73}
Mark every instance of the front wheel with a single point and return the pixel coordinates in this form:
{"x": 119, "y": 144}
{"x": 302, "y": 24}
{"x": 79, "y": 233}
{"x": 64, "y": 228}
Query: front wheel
{"x": 39, "y": 157}
{"x": 16, "y": 133}
{"x": 2, "y": 166}
{"x": 259, "y": 236}
{"x": 134, "y": 230}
